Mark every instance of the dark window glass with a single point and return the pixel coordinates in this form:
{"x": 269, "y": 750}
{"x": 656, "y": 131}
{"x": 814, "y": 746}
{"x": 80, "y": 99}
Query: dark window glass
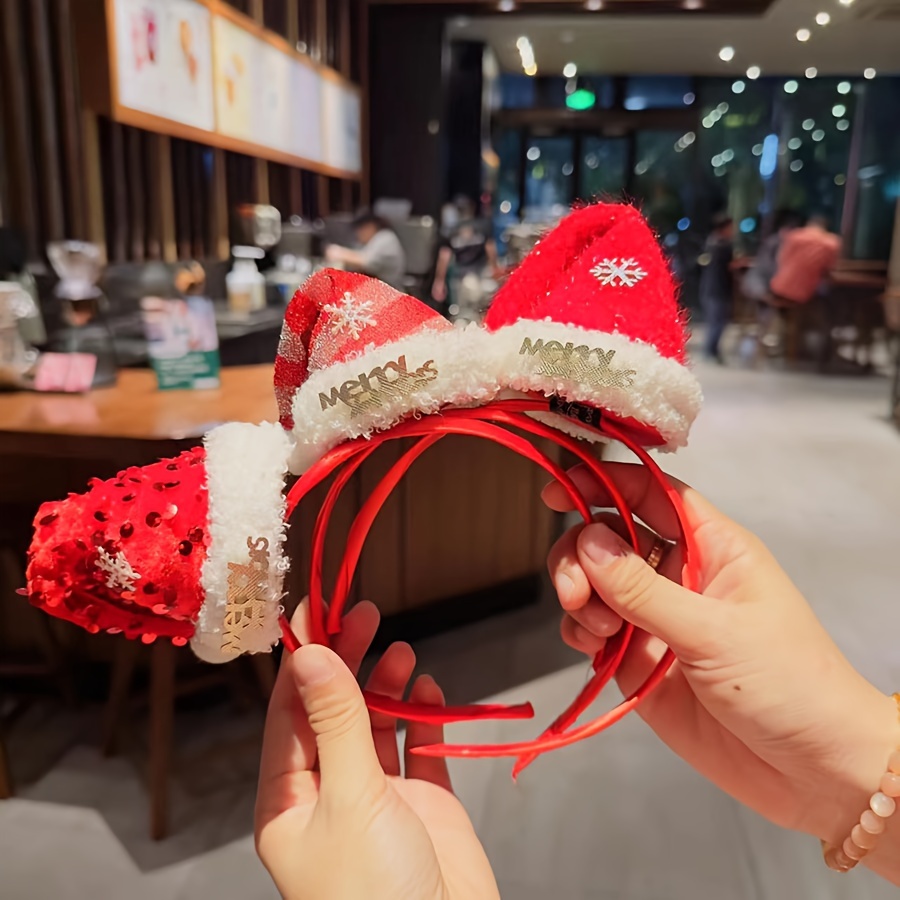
{"x": 549, "y": 185}
{"x": 508, "y": 146}
{"x": 879, "y": 171}
{"x": 604, "y": 163}
{"x": 654, "y": 92}
{"x": 517, "y": 91}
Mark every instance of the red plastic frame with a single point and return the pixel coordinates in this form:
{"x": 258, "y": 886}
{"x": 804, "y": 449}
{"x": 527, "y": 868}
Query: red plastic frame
{"x": 482, "y": 422}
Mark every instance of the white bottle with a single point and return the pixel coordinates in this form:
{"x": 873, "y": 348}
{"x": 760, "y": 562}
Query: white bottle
{"x": 245, "y": 284}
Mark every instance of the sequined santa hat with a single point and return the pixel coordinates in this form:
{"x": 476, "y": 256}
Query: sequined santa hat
{"x": 357, "y": 356}
{"x": 592, "y": 316}
{"x": 188, "y": 548}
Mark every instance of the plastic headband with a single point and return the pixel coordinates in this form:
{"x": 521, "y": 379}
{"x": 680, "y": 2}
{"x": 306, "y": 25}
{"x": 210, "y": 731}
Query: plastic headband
{"x": 485, "y": 422}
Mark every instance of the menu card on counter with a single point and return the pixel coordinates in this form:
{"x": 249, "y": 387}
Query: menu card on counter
{"x": 182, "y": 341}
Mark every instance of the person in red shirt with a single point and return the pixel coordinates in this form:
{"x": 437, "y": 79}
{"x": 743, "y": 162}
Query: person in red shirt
{"x": 806, "y": 257}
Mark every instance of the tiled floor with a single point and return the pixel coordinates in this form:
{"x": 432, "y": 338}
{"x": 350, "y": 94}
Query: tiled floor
{"x": 808, "y": 462}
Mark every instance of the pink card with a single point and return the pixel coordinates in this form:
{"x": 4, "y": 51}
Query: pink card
{"x": 70, "y": 373}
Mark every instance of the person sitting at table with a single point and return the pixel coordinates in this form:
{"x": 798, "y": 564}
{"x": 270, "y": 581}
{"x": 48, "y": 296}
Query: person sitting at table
{"x": 380, "y": 253}
{"x": 805, "y": 260}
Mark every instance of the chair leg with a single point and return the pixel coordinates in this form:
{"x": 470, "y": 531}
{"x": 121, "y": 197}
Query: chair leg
{"x": 162, "y": 707}
{"x": 5, "y": 778}
{"x": 120, "y": 687}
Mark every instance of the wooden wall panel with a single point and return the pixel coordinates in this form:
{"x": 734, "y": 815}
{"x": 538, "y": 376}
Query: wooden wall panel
{"x": 67, "y": 171}
{"x": 71, "y": 138}
{"x": 17, "y": 129}
{"x": 46, "y": 136}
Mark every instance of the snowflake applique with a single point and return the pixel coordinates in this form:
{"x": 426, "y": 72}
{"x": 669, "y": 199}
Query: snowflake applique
{"x": 118, "y": 571}
{"x": 618, "y": 272}
{"x": 350, "y": 315}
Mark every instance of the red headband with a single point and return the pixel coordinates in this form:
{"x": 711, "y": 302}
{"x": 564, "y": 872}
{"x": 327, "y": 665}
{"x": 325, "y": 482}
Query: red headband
{"x": 480, "y": 422}
{"x": 586, "y": 340}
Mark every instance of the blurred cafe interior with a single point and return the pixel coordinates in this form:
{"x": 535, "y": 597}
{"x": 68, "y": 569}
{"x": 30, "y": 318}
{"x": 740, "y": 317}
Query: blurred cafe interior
{"x": 171, "y": 171}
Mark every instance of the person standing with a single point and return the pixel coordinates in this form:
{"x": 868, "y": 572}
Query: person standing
{"x": 716, "y": 288}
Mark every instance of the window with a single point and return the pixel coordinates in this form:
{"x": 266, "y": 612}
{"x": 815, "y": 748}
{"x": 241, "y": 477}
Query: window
{"x": 654, "y": 92}
{"x": 879, "y": 171}
{"x": 549, "y": 185}
{"x": 603, "y": 168}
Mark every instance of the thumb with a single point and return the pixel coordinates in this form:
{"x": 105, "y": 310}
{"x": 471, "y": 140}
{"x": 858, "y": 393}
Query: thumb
{"x": 348, "y": 764}
{"x": 636, "y": 592}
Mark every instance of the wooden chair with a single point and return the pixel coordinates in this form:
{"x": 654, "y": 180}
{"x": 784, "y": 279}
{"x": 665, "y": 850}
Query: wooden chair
{"x": 170, "y": 678}
{"x": 45, "y": 660}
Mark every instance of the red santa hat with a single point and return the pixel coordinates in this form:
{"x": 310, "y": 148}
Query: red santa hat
{"x": 188, "y": 548}
{"x": 357, "y": 356}
{"x": 592, "y": 316}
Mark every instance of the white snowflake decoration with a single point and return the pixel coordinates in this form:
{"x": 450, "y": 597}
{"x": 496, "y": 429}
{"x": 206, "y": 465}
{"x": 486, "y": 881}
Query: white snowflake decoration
{"x": 118, "y": 571}
{"x": 618, "y": 272}
{"x": 350, "y": 315}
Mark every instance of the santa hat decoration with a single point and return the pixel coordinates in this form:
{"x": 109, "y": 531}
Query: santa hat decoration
{"x": 357, "y": 356}
{"x": 188, "y": 548}
{"x": 592, "y": 316}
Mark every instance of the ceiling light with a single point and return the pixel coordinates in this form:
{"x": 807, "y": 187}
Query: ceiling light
{"x": 757, "y": 149}
{"x": 693, "y": 4}
{"x": 530, "y": 70}
{"x": 534, "y": 154}
{"x": 818, "y": 135}
{"x": 570, "y": 70}
{"x": 795, "y": 143}
{"x": 840, "y": 180}
{"x": 823, "y": 18}
{"x": 796, "y": 165}
{"x": 726, "y": 54}
{"x": 754, "y": 72}
{"x": 811, "y": 72}
{"x": 522, "y": 43}
{"x": 809, "y": 124}
{"x": 594, "y": 5}
{"x": 738, "y": 87}
{"x": 803, "y": 35}
{"x": 506, "y": 5}
{"x": 845, "y": 87}
{"x": 846, "y": 2}
{"x": 790, "y": 87}
{"x": 838, "y": 110}
{"x": 843, "y": 125}
{"x": 689, "y": 98}
{"x": 689, "y": 138}
{"x": 870, "y": 74}
{"x": 727, "y": 155}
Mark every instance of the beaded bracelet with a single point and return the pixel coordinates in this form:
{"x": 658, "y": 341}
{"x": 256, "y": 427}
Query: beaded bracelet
{"x": 863, "y": 839}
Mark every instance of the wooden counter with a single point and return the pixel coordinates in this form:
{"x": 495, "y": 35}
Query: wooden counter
{"x": 466, "y": 520}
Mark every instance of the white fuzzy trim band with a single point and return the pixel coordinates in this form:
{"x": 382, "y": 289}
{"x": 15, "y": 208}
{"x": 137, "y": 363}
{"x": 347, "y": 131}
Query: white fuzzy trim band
{"x": 375, "y": 390}
{"x": 245, "y": 468}
{"x": 626, "y": 377}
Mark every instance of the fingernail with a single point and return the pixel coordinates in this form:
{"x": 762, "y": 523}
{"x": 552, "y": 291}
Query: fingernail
{"x": 599, "y": 619}
{"x": 600, "y": 545}
{"x": 564, "y": 587}
{"x": 313, "y": 665}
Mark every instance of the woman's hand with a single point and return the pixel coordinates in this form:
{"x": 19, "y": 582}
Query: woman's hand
{"x": 334, "y": 818}
{"x": 439, "y": 290}
{"x": 760, "y": 701}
